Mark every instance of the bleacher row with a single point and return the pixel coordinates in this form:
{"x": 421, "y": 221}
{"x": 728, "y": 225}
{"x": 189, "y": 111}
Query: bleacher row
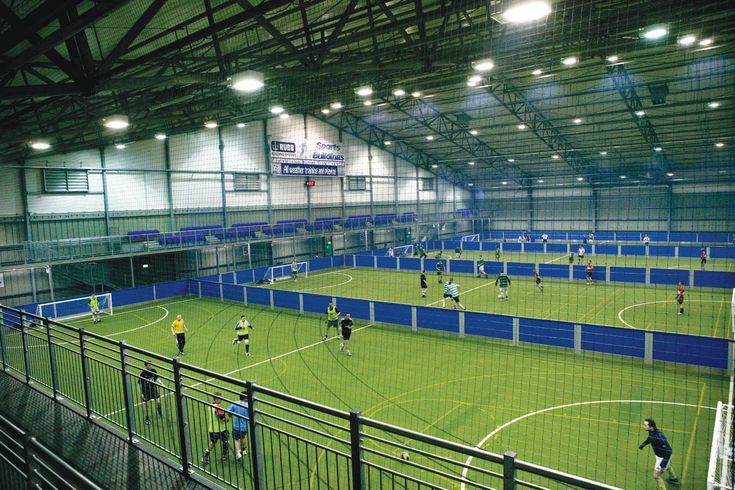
{"x": 262, "y": 229}
{"x": 614, "y": 236}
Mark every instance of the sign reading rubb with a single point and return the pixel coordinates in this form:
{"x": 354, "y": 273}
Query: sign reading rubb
{"x": 306, "y": 157}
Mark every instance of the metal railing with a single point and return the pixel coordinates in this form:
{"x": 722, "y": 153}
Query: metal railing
{"x": 290, "y": 442}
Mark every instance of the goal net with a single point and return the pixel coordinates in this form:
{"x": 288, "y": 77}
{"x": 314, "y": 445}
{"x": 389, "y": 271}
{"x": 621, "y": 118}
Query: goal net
{"x": 74, "y": 308}
{"x": 471, "y": 238}
{"x": 281, "y": 272}
{"x": 403, "y": 251}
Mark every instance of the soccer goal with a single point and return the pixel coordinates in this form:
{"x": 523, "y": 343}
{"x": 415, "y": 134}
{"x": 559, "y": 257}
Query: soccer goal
{"x": 281, "y": 272}
{"x": 74, "y": 308}
{"x": 403, "y": 251}
{"x": 719, "y": 476}
{"x": 471, "y": 238}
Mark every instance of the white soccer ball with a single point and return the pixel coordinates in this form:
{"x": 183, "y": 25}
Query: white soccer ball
{"x": 405, "y": 456}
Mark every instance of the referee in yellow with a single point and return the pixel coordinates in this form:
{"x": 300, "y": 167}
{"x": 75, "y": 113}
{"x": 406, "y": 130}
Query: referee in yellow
{"x": 178, "y": 329}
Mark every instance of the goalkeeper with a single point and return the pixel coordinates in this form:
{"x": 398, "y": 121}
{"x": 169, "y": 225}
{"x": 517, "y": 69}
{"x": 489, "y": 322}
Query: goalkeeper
{"x": 243, "y": 335}
{"x": 94, "y": 307}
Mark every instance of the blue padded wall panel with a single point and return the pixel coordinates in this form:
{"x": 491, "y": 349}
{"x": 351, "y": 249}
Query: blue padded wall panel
{"x": 210, "y": 278}
{"x": 463, "y": 267}
{"x": 210, "y": 289}
{"x": 430, "y": 265}
{"x": 633, "y": 249}
{"x": 493, "y": 268}
{"x": 554, "y": 270}
{"x": 486, "y": 325}
{"x": 689, "y": 251}
{"x": 714, "y": 279}
{"x": 471, "y": 245}
{"x": 613, "y": 340}
{"x": 606, "y": 249}
{"x": 714, "y": 237}
{"x": 556, "y": 248}
{"x": 690, "y": 349}
{"x": 437, "y": 319}
{"x": 409, "y": 263}
{"x": 534, "y": 247}
{"x": 580, "y": 273}
{"x": 669, "y": 276}
{"x": 722, "y": 252}
{"x": 286, "y": 299}
{"x": 258, "y": 296}
{"x": 171, "y": 289}
{"x": 451, "y": 244}
{"x": 320, "y": 264}
{"x": 392, "y": 313}
{"x": 434, "y": 245}
{"x": 512, "y": 247}
{"x": 245, "y": 277}
{"x": 658, "y": 236}
{"x": 604, "y": 235}
{"x": 133, "y": 295}
{"x": 627, "y": 274}
{"x": 490, "y": 246}
{"x": 661, "y": 251}
{"x": 357, "y": 308}
{"x": 339, "y": 260}
{"x": 316, "y": 303}
{"x": 387, "y": 263}
{"x": 233, "y": 292}
{"x": 519, "y": 269}
{"x": 546, "y": 332}
{"x": 629, "y": 236}
{"x": 364, "y": 261}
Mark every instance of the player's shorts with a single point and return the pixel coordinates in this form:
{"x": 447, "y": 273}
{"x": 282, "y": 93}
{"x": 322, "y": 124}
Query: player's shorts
{"x": 456, "y": 299}
{"x": 680, "y": 301}
{"x": 704, "y": 260}
{"x": 241, "y": 337}
{"x": 150, "y": 393}
{"x": 332, "y": 323}
{"x": 447, "y": 295}
{"x": 662, "y": 464}
{"x": 181, "y": 340}
{"x": 346, "y": 334}
{"x": 581, "y": 256}
{"x": 503, "y": 290}
{"x": 239, "y": 434}
{"x": 545, "y": 240}
{"x": 223, "y": 436}
{"x": 95, "y": 310}
{"x": 482, "y": 269}
{"x": 589, "y": 275}
{"x": 424, "y": 285}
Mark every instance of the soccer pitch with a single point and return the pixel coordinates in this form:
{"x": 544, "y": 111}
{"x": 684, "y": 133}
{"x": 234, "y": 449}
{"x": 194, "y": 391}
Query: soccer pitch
{"x": 579, "y": 413}
{"x": 706, "y": 311}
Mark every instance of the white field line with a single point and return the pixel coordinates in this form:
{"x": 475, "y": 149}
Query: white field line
{"x": 468, "y": 291}
{"x": 331, "y": 285}
{"x": 554, "y": 260}
{"x": 559, "y": 407}
{"x": 620, "y": 313}
{"x": 249, "y": 366}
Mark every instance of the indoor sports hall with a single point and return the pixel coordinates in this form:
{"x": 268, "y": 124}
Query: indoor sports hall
{"x": 345, "y": 244}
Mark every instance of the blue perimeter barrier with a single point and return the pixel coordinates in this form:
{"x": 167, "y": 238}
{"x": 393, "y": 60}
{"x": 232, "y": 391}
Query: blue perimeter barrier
{"x": 694, "y": 350}
{"x": 636, "y": 236}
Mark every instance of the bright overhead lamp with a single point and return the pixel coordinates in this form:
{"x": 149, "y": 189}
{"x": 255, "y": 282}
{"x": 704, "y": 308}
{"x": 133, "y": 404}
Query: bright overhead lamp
{"x": 416, "y": 94}
{"x": 540, "y": 181}
{"x": 577, "y": 121}
{"x": 284, "y": 115}
{"x": 248, "y": 81}
{"x": 687, "y": 40}
{"x": 429, "y": 138}
{"x": 120, "y": 146}
{"x": 603, "y": 153}
{"x": 569, "y": 61}
{"x": 241, "y": 125}
{"x": 473, "y": 132}
{"x": 368, "y": 102}
{"x": 475, "y": 79}
{"x": 336, "y": 105}
{"x": 483, "y": 65}
{"x": 470, "y": 163}
{"x": 655, "y": 32}
{"x": 706, "y": 42}
{"x": 640, "y": 113}
{"x": 326, "y": 111}
{"x": 623, "y": 177}
{"x": 435, "y": 166}
{"x": 116, "y": 121}
{"x": 399, "y": 92}
{"x": 504, "y": 182}
{"x": 537, "y": 72}
{"x": 669, "y": 174}
{"x": 713, "y": 105}
{"x": 657, "y": 148}
{"x": 40, "y": 145}
{"x": 521, "y": 126}
{"x": 210, "y": 124}
{"x": 555, "y": 157}
{"x": 160, "y": 136}
{"x": 511, "y": 160}
{"x": 276, "y": 109}
{"x": 473, "y": 84}
{"x": 719, "y": 144}
{"x": 580, "y": 179}
{"x": 612, "y": 58}
{"x": 364, "y": 91}
{"x": 527, "y": 12}
{"x": 387, "y": 143}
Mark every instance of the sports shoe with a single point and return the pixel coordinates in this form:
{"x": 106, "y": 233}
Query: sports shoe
{"x": 349, "y": 353}
{"x": 341, "y": 345}
{"x": 205, "y": 459}
{"x": 147, "y": 421}
{"x": 339, "y": 336}
{"x": 234, "y": 341}
{"x": 160, "y": 412}
{"x": 680, "y": 313}
{"x": 248, "y": 354}
{"x": 225, "y": 456}
{"x": 673, "y": 481}
{"x": 324, "y": 338}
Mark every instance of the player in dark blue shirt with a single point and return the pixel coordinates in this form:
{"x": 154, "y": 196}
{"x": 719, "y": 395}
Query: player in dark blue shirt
{"x": 440, "y": 270}
{"x": 662, "y": 450}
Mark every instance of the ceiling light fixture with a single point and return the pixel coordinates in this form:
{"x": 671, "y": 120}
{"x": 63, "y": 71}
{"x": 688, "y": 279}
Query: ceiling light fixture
{"x": 120, "y": 146}
{"x": 555, "y": 157}
{"x": 657, "y": 148}
{"x": 706, "y": 42}
{"x": 470, "y": 184}
{"x": 537, "y": 72}
{"x": 211, "y": 124}
{"x": 687, "y": 40}
{"x": 713, "y": 105}
{"x": 416, "y": 94}
{"x": 116, "y": 121}
{"x": 326, "y": 111}
{"x": 504, "y": 182}
{"x": 640, "y": 113}
{"x": 470, "y": 163}
{"x": 472, "y": 84}
{"x": 623, "y": 177}
{"x": 603, "y": 153}
{"x": 527, "y": 12}
{"x": 580, "y": 179}
{"x": 483, "y": 65}
{"x": 511, "y": 160}
{"x": 475, "y": 78}
{"x": 429, "y": 138}
{"x": 577, "y": 121}
{"x": 473, "y": 132}
{"x": 364, "y": 91}
{"x": 248, "y": 81}
{"x": 368, "y": 102}
{"x": 276, "y": 109}
{"x": 569, "y": 61}
{"x": 521, "y": 126}
{"x": 336, "y": 105}
{"x": 40, "y": 145}
{"x": 540, "y": 181}
{"x": 719, "y": 144}
{"x": 399, "y": 92}
{"x": 241, "y": 125}
{"x": 387, "y": 143}
{"x": 284, "y": 115}
{"x": 435, "y": 166}
{"x": 655, "y": 32}
{"x": 160, "y": 136}
{"x": 669, "y": 174}
{"x": 612, "y": 58}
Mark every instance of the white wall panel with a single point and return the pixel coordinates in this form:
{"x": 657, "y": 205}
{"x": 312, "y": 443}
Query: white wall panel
{"x": 140, "y": 155}
{"x": 244, "y": 149}
{"x": 288, "y": 191}
{"x": 407, "y": 190}
{"x": 195, "y": 151}
{"x": 327, "y": 191}
{"x": 194, "y": 190}
{"x": 77, "y": 159}
{"x": 136, "y": 191}
{"x": 356, "y": 156}
{"x": 10, "y": 190}
{"x": 384, "y": 190}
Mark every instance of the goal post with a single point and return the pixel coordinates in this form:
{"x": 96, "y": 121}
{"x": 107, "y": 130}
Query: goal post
{"x": 403, "y": 251}
{"x": 281, "y": 272}
{"x": 471, "y": 238}
{"x": 68, "y": 309}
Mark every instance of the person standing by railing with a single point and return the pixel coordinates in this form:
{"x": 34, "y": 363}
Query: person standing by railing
{"x": 241, "y": 415}
{"x": 149, "y": 382}
{"x": 217, "y": 428}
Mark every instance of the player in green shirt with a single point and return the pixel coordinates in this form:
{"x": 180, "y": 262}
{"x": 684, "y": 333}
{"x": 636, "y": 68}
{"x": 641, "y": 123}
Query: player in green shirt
{"x": 571, "y": 257}
{"x": 217, "y": 427}
{"x": 481, "y": 267}
{"x": 94, "y": 307}
{"x": 332, "y": 320}
{"x": 438, "y": 255}
{"x": 458, "y": 252}
{"x": 422, "y": 252}
{"x": 503, "y": 281}
{"x": 497, "y": 253}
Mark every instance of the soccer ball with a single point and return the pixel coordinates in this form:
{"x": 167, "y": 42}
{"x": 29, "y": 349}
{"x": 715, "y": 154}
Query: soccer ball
{"x": 500, "y": 296}
{"x": 405, "y": 456}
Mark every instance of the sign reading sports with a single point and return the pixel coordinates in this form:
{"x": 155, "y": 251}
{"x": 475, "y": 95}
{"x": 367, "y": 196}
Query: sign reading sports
{"x": 306, "y": 157}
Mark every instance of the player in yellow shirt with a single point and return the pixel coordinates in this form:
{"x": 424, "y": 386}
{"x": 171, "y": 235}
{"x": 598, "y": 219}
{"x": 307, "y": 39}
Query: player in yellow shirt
{"x": 178, "y": 329}
{"x": 94, "y": 307}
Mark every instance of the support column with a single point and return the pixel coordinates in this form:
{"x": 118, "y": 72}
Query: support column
{"x": 221, "y": 146}
{"x": 595, "y": 209}
{"x": 670, "y": 196}
{"x": 370, "y": 171}
{"x": 169, "y": 191}
{"x": 267, "y": 171}
{"x": 395, "y": 185}
{"x": 418, "y": 194}
{"x": 105, "y": 201}
{"x": 26, "y": 212}
{"x": 308, "y": 189}
{"x": 530, "y": 209}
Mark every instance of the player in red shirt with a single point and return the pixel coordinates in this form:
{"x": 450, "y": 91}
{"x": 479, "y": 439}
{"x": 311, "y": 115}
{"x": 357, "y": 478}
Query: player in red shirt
{"x": 680, "y": 297}
{"x": 589, "y": 270}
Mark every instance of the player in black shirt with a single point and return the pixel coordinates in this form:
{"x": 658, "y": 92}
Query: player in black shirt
{"x": 346, "y": 333}
{"x": 440, "y": 270}
{"x": 424, "y": 286}
{"x": 148, "y": 382}
{"x": 662, "y": 450}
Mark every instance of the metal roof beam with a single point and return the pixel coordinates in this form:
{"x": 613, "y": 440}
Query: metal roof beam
{"x": 24, "y": 29}
{"x": 338, "y": 30}
{"x": 270, "y": 28}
